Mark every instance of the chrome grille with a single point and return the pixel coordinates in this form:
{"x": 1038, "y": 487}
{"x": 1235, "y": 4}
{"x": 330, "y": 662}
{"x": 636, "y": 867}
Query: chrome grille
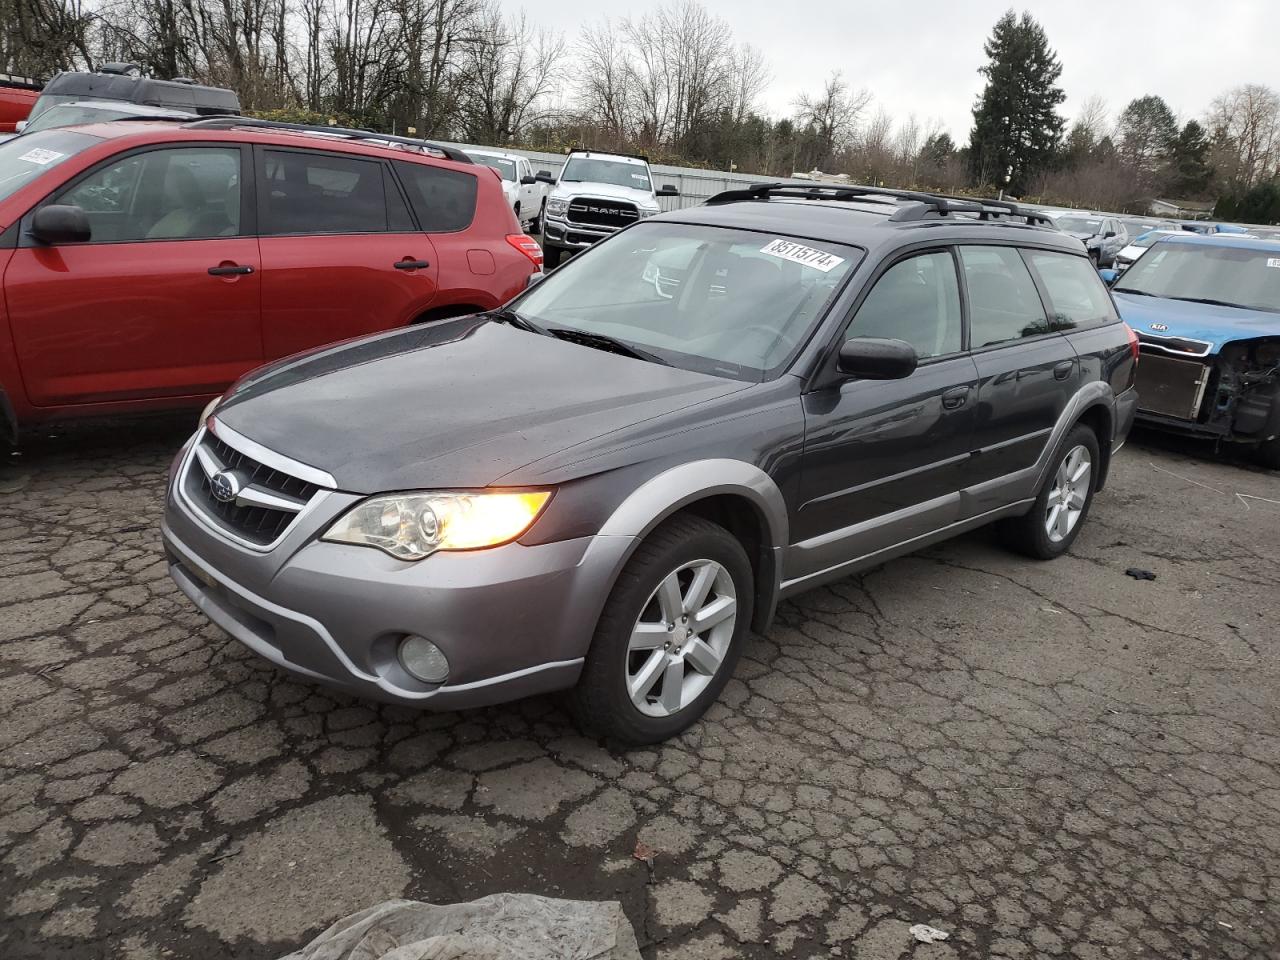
{"x": 603, "y": 213}
{"x": 264, "y": 501}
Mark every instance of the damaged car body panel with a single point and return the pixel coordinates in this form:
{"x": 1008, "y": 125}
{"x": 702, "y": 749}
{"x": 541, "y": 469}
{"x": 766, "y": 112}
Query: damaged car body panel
{"x": 1207, "y": 313}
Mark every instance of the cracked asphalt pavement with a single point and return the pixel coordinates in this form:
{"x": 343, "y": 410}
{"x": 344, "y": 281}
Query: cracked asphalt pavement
{"x": 1043, "y": 760}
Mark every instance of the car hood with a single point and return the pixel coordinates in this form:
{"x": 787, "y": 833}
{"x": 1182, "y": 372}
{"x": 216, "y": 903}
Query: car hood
{"x": 458, "y": 403}
{"x": 604, "y": 191}
{"x": 1132, "y": 252}
{"x": 1196, "y": 321}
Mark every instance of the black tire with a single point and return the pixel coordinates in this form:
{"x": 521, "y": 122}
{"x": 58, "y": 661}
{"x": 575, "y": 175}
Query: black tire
{"x": 540, "y": 220}
{"x": 1268, "y": 454}
{"x": 1029, "y": 534}
{"x": 519, "y": 221}
{"x": 551, "y": 257}
{"x": 601, "y": 702}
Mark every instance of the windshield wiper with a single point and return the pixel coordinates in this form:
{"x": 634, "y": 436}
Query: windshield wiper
{"x": 602, "y": 342}
{"x": 1141, "y": 293}
{"x": 507, "y": 315}
{"x": 1211, "y": 302}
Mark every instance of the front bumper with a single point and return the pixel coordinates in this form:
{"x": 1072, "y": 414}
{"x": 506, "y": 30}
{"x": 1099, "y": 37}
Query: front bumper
{"x": 559, "y": 232}
{"x": 513, "y": 620}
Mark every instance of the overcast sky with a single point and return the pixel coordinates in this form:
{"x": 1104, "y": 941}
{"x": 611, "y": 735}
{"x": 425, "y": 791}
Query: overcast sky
{"x": 922, "y": 56}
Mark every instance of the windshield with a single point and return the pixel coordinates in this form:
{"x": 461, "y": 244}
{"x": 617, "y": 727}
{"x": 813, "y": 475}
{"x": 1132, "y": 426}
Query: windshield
{"x": 66, "y": 115}
{"x": 733, "y": 303}
{"x": 47, "y": 101}
{"x": 1234, "y": 276}
{"x": 505, "y": 167}
{"x": 1079, "y": 224}
{"x": 589, "y": 170}
{"x": 24, "y": 158}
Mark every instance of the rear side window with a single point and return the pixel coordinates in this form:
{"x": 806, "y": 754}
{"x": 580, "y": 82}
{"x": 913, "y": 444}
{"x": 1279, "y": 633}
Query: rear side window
{"x": 1004, "y": 303}
{"x": 1077, "y": 298}
{"x": 317, "y": 193}
{"x": 444, "y": 200}
{"x": 917, "y": 300}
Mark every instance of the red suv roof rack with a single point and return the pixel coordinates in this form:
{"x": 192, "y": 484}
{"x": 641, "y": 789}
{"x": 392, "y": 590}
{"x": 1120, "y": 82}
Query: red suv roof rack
{"x": 225, "y": 123}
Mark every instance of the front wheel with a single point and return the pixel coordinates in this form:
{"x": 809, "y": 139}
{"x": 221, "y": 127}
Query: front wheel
{"x": 670, "y": 635}
{"x": 1051, "y": 526}
{"x": 551, "y": 256}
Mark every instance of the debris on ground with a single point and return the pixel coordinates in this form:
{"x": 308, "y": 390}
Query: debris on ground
{"x": 1139, "y": 574}
{"x": 927, "y": 934}
{"x": 644, "y": 852}
{"x": 504, "y": 926}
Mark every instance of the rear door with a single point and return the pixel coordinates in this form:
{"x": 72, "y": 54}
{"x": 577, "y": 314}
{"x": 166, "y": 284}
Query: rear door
{"x": 341, "y": 253}
{"x": 1027, "y": 370}
{"x": 162, "y": 301}
{"x": 883, "y": 459}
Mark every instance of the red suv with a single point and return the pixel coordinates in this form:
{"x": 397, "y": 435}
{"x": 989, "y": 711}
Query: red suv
{"x": 148, "y": 265}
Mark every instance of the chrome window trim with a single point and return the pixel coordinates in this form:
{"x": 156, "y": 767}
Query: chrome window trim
{"x": 209, "y": 522}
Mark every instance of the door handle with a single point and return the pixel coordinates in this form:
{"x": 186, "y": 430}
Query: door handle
{"x": 955, "y": 398}
{"x": 407, "y": 264}
{"x": 1063, "y": 370}
{"x": 230, "y": 270}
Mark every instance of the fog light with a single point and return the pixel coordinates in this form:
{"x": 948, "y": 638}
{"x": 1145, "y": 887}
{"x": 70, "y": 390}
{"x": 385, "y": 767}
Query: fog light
{"x": 424, "y": 660}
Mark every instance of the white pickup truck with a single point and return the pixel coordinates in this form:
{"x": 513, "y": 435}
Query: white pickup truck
{"x": 523, "y": 190}
{"x": 596, "y": 195}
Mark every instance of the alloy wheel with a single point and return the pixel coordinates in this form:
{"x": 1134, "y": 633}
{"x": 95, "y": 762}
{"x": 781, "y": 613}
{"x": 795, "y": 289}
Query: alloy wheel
{"x": 1069, "y": 493}
{"x": 681, "y": 638}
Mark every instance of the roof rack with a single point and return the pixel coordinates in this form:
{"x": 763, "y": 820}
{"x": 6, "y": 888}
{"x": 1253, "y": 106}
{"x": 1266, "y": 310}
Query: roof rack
{"x": 226, "y": 122}
{"x": 919, "y": 206}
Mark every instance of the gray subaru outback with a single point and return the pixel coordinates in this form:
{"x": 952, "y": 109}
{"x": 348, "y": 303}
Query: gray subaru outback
{"x": 604, "y": 485}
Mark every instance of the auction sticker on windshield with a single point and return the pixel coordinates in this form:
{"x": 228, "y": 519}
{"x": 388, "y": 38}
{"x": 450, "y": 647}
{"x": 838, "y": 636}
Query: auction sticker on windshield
{"x": 41, "y": 156}
{"x": 1273, "y": 261}
{"x": 799, "y": 253}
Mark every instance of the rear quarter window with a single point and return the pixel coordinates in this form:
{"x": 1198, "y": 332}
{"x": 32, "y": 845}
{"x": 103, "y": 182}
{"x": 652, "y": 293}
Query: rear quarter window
{"x": 444, "y": 200}
{"x": 1077, "y": 298}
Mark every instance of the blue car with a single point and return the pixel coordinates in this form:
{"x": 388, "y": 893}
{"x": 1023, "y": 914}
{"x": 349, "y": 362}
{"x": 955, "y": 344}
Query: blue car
{"x": 1206, "y": 310}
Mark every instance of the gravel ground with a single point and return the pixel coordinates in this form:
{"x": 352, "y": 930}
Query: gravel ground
{"x": 1041, "y": 759}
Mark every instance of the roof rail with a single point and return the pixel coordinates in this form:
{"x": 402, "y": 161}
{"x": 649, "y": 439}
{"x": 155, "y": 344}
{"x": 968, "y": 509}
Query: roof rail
{"x": 920, "y": 205}
{"x": 227, "y": 122}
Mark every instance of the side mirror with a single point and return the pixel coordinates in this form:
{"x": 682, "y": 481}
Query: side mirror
{"x": 667, "y": 190}
{"x": 20, "y": 126}
{"x": 60, "y": 223}
{"x": 870, "y": 358}
{"x": 544, "y": 176}
{"x": 1109, "y": 276}
{"x": 526, "y": 180}
{"x": 1108, "y": 235}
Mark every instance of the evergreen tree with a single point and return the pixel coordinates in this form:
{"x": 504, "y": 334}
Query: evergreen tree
{"x": 937, "y": 149}
{"x": 1016, "y": 125}
{"x": 1146, "y": 129}
{"x": 1189, "y": 173}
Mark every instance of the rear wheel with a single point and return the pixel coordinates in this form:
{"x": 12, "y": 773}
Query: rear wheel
{"x": 1268, "y": 454}
{"x": 670, "y": 635}
{"x": 1051, "y": 526}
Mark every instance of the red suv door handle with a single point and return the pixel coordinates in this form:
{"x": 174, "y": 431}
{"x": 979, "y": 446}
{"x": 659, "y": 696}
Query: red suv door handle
{"x": 408, "y": 264}
{"x": 230, "y": 270}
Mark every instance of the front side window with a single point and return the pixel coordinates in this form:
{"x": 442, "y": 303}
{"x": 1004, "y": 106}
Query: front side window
{"x": 1077, "y": 297}
{"x": 444, "y": 200}
{"x": 25, "y": 158}
{"x": 1203, "y": 273}
{"x": 189, "y": 193}
{"x": 732, "y": 303}
{"x": 917, "y": 300}
{"x": 321, "y": 193}
{"x": 1004, "y": 304}
{"x": 616, "y": 172}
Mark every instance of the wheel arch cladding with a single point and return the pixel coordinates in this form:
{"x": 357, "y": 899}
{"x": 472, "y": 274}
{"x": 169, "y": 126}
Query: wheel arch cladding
{"x": 735, "y": 494}
{"x": 1099, "y": 418}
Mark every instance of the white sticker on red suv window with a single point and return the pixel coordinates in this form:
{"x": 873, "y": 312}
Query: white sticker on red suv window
{"x": 41, "y": 156}
{"x": 799, "y": 253}
{"x": 1273, "y": 261}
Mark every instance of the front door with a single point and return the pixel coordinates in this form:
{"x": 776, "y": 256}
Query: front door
{"x": 162, "y": 301}
{"x": 341, "y": 255}
{"x": 1027, "y": 370}
{"x": 883, "y": 458}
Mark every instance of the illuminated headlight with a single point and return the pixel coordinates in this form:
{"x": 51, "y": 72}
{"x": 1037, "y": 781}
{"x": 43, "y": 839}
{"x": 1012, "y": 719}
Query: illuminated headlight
{"x": 557, "y": 207}
{"x": 410, "y": 526}
{"x": 648, "y": 212}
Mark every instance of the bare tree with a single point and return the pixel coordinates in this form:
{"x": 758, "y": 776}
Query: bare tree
{"x": 507, "y": 76}
{"x": 831, "y": 117}
{"x": 1244, "y": 123}
{"x": 607, "y": 79}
